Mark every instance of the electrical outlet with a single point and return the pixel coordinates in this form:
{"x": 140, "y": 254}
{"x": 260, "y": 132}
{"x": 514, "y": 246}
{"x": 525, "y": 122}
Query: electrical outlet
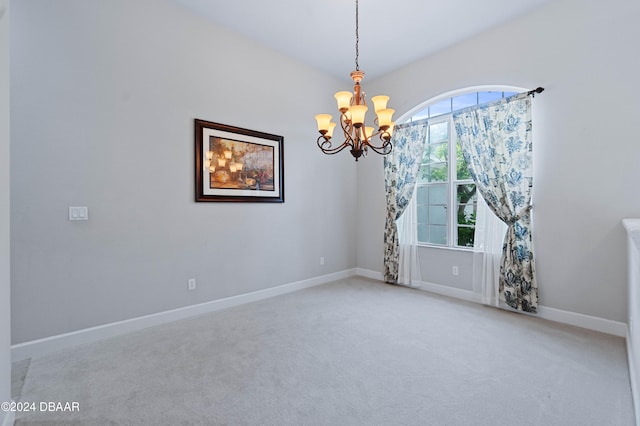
{"x": 454, "y": 270}
{"x": 322, "y": 261}
{"x": 192, "y": 284}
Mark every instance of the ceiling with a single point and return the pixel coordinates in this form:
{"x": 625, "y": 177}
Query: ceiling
{"x": 394, "y": 33}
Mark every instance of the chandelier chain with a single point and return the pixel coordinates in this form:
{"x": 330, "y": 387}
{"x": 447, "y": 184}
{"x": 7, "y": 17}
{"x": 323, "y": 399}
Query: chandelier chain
{"x": 357, "y": 38}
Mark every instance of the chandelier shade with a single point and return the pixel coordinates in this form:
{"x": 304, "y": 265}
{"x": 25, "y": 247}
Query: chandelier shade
{"x": 353, "y": 109}
{"x": 344, "y": 100}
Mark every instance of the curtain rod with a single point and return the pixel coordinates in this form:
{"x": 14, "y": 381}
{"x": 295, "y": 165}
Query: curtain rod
{"x": 536, "y": 90}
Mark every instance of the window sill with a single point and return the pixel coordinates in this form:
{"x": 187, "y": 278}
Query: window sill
{"x": 463, "y": 249}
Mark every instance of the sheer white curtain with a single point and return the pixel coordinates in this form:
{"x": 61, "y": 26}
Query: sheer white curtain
{"x": 400, "y": 174}
{"x": 487, "y": 253}
{"x": 409, "y": 266}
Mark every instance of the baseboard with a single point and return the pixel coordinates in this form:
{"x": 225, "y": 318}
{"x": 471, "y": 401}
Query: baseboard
{"x": 54, "y": 343}
{"x": 367, "y": 273}
{"x": 445, "y": 290}
{"x": 602, "y": 325}
{"x": 50, "y": 344}
{"x": 423, "y": 285}
{"x": 633, "y": 378}
{"x": 9, "y": 418}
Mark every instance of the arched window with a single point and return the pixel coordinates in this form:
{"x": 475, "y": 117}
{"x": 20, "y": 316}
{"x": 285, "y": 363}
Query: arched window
{"x": 446, "y": 196}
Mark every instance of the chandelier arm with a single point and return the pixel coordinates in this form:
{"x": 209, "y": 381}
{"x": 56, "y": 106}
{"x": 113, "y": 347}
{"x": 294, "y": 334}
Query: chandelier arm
{"x": 344, "y": 123}
{"x": 386, "y": 146}
{"x": 325, "y": 145}
{"x": 347, "y": 129}
{"x": 384, "y": 149}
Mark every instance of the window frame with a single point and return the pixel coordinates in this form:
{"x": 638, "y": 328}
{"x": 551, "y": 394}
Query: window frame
{"x": 446, "y": 183}
{"x": 452, "y": 181}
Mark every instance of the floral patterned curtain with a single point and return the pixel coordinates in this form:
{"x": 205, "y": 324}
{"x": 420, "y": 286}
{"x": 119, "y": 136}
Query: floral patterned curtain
{"x": 496, "y": 144}
{"x": 400, "y": 172}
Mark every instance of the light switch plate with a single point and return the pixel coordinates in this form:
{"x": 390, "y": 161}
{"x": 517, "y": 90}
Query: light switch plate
{"x": 78, "y": 213}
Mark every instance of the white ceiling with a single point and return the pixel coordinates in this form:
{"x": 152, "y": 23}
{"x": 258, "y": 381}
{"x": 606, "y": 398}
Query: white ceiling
{"x": 394, "y": 33}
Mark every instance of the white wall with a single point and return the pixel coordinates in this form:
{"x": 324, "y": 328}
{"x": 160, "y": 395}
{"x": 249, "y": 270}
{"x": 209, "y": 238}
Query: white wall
{"x": 585, "y": 152}
{"x": 5, "y": 316}
{"x": 632, "y": 226}
{"x": 103, "y": 100}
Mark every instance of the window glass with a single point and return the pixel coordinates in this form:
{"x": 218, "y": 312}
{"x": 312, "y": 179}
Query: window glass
{"x": 423, "y": 232}
{"x": 438, "y": 194}
{"x": 423, "y": 212}
{"x": 462, "y": 170}
{"x": 421, "y": 115}
{"x": 438, "y": 172}
{"x": 433, "y": 192}
{"x": 466, "y": 193}
{"x": 439, "y": 132}
{"x": 442, "y": 107}
{"x": 484, "y": 97}
{"x": 464, "y": 101}
{"x": 422, "y": 194}
{"x": 438, "y": 234}
{"x": 437, "y": 152}
{"x": 465, "y": 236}
{"x": 438, "y": 215}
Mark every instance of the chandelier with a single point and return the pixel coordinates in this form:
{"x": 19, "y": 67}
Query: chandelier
{"x": 353, "y": 108}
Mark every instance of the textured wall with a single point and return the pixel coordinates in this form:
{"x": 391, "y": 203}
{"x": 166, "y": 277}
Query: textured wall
{"x": 585, "y": 154}
{"x": 5, "y": 325}
{"x": 104, "y": 97}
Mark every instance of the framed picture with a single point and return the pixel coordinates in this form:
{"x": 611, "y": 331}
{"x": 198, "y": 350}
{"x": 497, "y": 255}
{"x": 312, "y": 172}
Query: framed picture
{"x": 235, "y": 164}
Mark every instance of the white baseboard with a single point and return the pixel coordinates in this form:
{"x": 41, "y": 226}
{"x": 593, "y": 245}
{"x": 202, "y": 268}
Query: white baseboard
{"x": 9, "y": 418}
{"x": 426, "y": 286}
{"x": 88, "y": 335}
{"x": 50, "y": 344}
{"x": 445, "y": 290}
{"x": 370, "y": 274}
{"x": 633, "y": 377}
{"x": 602, "y": 325}
{"x": 423, "y": 285}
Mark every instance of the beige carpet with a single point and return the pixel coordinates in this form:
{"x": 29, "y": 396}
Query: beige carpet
{"x": 353, "y": 352}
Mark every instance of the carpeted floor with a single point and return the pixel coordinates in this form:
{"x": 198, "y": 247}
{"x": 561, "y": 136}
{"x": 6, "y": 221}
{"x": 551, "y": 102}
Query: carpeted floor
{"x": 353, "y": 352}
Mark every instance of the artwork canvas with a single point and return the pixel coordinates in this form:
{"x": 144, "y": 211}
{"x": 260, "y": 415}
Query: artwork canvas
{"x": 235, "y": 164}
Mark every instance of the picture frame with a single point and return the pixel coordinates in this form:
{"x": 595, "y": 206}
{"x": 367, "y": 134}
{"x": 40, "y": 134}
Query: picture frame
{"x": 233, "y": 164}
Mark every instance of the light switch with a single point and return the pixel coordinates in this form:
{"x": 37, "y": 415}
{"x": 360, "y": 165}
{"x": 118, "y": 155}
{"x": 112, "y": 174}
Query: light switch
{"x": 78, "y": 213}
